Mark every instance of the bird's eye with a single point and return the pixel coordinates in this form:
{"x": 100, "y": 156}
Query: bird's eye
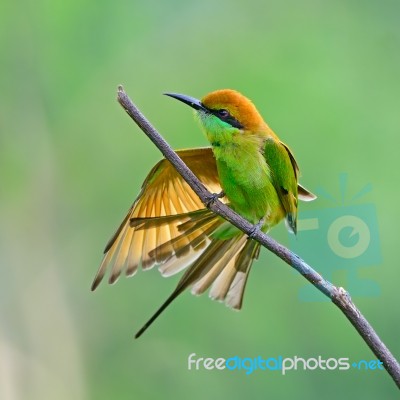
{"x": 223, "y": 113}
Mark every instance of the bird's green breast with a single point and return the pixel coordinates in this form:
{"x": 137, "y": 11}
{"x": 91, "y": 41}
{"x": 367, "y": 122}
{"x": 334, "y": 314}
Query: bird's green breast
{"x": 246, "y": 179}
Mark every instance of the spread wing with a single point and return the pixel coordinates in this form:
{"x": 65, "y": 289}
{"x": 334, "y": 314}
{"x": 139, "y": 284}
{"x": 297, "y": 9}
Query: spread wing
{"x": 163, "y": 193}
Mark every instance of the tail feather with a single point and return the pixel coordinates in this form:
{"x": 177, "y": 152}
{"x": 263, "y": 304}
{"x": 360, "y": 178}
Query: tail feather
{"x": 207, "y": 264}
{"x": 224, "y": 264}
{"x": 234, "y": 297}
{"x": 192, "y": 251}
{"x": 229, "y": 285}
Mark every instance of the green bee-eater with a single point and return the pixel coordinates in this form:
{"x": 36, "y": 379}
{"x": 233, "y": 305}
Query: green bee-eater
{"x": 167, "y": 225}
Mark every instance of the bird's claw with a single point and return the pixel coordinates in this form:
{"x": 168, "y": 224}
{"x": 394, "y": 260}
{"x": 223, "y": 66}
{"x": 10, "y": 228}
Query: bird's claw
{"x": 256, "y": 228}
{"x": 213, "y": 197}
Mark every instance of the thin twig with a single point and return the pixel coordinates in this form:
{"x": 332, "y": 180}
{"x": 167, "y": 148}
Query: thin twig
{"x": 338, "y": 295}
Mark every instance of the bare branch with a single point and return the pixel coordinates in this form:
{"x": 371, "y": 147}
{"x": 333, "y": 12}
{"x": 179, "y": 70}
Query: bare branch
{"x": 338, "y": 295}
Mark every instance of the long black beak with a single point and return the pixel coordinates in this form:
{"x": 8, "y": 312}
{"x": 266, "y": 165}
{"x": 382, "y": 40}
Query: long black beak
{"x": 190, "y": 101}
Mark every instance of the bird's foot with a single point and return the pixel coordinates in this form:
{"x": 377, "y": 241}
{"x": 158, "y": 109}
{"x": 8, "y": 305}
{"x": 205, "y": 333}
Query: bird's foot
{"x": 213, "y": 197}
{"x": 256, "y": 228}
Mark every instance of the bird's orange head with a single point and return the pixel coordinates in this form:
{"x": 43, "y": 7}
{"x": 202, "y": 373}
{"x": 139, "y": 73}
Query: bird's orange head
{"x": 230, "y": 106}
{"x": 225, "y": 109}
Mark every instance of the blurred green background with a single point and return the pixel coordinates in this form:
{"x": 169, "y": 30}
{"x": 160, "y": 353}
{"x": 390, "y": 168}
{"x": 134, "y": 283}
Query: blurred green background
{"x": 324, "y": 74}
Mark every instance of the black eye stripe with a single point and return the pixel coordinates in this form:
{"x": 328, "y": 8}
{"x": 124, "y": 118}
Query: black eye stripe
{"x": 225, "y": 116}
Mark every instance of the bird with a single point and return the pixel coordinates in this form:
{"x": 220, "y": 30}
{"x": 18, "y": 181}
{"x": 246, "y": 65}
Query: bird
{"x": 246, "y": 167}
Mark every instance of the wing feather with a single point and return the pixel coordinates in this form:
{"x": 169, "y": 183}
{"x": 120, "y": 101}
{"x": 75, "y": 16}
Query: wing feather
{"x": 164, "y": 192}
{"x": 284, "y": 171}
